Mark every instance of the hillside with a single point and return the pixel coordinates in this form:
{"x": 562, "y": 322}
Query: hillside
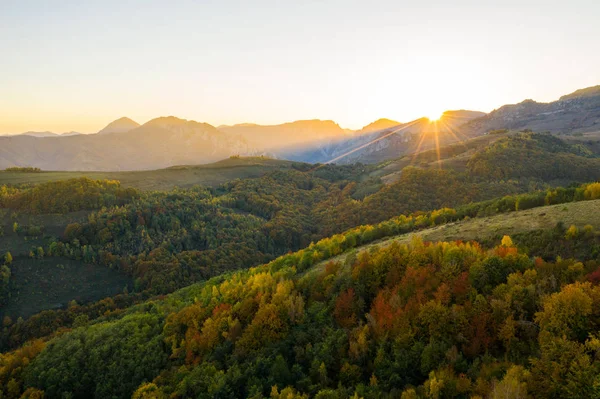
{"x": 582, "y": 93}
{"x": 208, "y": 231}
{"x": 204, "y": 231}
{"x": 516, "y": 155}
{"x": 531, "y": 155}
{"x": 492, "y": 228}
{"x": 299, "y": 200}
{"x": 451, "y": 157}
{"x": 322, "y": 312}
{"x": 369, "y": 326}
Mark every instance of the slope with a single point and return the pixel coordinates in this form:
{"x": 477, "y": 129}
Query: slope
{"x": 573, "y": 113}
{"x": 493, "y": 228}
{"x": 371, "y": 329}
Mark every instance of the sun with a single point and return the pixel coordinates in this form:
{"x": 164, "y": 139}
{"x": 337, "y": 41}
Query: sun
{"x": 435, "y": 116}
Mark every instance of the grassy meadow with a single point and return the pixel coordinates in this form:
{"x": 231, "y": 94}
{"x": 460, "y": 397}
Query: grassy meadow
{"x": 184, "y": 176}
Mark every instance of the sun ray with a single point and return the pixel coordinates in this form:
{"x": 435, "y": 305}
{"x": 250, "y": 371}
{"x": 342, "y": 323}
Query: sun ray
{"x": 367, "y": 144}
{"x": 416, "y": 153}
{"x": 434, "y": 117}
{"x": 437, "y": 142}
{"x": 455, "y": 132}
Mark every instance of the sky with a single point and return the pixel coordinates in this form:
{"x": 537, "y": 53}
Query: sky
{"x": 77, "y": 65}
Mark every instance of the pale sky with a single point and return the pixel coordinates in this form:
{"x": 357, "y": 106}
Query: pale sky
{"x": 77, "y": 65}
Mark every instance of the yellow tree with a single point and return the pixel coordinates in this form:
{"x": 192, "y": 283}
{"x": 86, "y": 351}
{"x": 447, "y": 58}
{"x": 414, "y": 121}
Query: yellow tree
{"x": 507, "y": 241}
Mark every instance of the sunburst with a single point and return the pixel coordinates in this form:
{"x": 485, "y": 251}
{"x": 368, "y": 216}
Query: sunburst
{"x": 435, "y": 116}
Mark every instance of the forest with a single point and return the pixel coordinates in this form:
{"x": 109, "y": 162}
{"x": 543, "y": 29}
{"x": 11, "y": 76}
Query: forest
{"x": 514, "y": 324}
{"x": 202, "y": 319}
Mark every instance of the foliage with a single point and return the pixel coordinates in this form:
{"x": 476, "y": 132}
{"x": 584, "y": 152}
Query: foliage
{"x": 535, "y": 155}
{"x": 448, "y": 319}
{"x": 66, "y": 196}
{"x": 12, "y": 366}
{"x": 371, "y": 329}
{"x": 104, "y": 360}
{"x": 109, "y": 238}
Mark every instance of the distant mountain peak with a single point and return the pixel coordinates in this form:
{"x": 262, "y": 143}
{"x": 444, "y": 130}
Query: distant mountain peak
{"x": 286, "y": 135}
{"x": 173, "y": 123}
{"x": 380, "y": 124}
{"x": 166, "y": 120}
{"x": 120, "y": 125}
{"x": 238, "y": 125}
{"x": 313, "y": 124}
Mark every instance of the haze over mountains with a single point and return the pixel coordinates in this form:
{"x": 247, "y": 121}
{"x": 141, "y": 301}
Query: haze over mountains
{"x": 369, "y": 145}
{"x": 43, "y": 134}
{"x": 167, "y": 141}
{"x": 295, "y": 133}
{"x": 159, "y": 143}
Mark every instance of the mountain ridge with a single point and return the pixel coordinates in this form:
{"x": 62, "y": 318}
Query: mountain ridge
{"x": 159, "y": 143}
{"x": 168, "y": 140}
{"x": 573, "y": 113}
{"x": 270, "y": 137}
{"x": 379, "y": 124}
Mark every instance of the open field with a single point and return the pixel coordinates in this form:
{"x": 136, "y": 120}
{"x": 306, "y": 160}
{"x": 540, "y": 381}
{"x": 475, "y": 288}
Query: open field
{"x": 164, "y": 179}
{"x": 495, "y": 227}
{"x": 40, "y": 284}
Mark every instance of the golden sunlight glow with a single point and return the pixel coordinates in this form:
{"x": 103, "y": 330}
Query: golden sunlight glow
{"x": 435, "y": 116}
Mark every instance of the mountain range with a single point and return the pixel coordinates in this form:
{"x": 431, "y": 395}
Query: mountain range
{"x": 159, "y": 143}
{"x": 390, "y": 141}
{"x": 167, "y": 141}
